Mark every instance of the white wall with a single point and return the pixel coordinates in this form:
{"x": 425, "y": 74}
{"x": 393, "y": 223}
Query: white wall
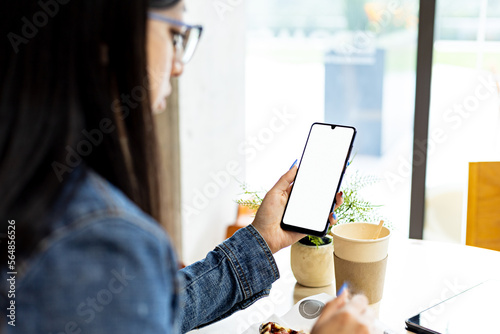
{"x": 212, "y": 125}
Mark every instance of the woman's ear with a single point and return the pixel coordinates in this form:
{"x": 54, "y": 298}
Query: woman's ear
{"x": 177, "y": 69}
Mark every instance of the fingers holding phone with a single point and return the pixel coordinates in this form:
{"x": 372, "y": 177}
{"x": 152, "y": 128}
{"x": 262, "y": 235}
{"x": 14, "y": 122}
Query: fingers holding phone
{"x": 268, "y": 217}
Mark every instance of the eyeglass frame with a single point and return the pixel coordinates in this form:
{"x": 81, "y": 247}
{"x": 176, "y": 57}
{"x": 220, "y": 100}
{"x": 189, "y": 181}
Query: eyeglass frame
{"x": 185, "y": 28}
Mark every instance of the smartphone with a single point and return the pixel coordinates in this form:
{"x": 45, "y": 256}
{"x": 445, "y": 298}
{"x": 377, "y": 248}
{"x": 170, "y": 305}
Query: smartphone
{"x": 318, "y": 178}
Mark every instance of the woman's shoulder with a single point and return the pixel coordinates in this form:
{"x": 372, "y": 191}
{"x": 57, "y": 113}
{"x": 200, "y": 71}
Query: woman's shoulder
{"x": 96, "y": 221}
{"x": 102, "y": 250}
{"x": 88, "y": 197}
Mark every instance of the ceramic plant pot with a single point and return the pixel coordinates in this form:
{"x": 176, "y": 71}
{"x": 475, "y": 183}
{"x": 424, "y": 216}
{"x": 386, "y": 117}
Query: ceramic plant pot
{"x": 312, "y": 265}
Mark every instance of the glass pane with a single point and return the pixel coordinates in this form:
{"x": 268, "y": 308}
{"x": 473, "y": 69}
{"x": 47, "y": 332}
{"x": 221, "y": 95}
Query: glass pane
{"x": 464, "y": 123}
{"x": 346, "y": 62}
{"x": 493, "y": 21}
{"x": 457, "y": 22}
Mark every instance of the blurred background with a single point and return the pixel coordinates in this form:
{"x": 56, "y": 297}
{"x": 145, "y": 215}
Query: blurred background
{"x": 265, "y": 70}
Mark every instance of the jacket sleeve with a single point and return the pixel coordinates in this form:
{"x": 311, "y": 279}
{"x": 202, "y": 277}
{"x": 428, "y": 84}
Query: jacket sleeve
{"x": 232, "y": 277}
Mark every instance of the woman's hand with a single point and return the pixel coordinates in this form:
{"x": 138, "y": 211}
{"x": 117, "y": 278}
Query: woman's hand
{"x": 344, "y": 316}
{"x": 268, "y": 218}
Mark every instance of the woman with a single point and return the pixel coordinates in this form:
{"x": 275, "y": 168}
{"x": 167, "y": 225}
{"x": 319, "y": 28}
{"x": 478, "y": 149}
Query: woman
{"x": 78, "y": 180}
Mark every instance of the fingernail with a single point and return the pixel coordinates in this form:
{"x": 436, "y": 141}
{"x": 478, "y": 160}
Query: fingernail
{"x": 348, "y": 163}
{"x": 334, "y": 215}
{"x": 342, "y": 288}
{"x": 342, "y": 194}
{"x": 293, "y": 164}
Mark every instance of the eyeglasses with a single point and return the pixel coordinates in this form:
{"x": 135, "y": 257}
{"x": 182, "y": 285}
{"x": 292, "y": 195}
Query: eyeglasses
{"x": 185, "y": 42}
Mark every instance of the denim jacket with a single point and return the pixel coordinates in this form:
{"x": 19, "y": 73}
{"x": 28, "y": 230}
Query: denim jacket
{"x": 107, "y": 267}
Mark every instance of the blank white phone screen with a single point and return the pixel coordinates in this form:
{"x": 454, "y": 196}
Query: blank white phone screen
{"x": 318, "y": 177}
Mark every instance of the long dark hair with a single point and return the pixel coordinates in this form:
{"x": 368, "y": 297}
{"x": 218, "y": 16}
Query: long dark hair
{"x": 73, "y": 91}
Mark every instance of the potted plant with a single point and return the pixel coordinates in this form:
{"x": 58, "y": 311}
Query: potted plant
{"x": 312, "y": 257}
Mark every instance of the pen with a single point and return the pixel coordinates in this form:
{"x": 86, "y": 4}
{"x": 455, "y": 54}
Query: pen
{"x": 342, "y": 288}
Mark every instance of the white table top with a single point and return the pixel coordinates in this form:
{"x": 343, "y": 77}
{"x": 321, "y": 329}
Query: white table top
{"x": 419, "y": 274}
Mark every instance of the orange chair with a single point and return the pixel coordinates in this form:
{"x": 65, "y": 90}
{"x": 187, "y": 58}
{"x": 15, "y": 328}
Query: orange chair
{"x": 483, "y": 205}
{"x": 244, "y": 217}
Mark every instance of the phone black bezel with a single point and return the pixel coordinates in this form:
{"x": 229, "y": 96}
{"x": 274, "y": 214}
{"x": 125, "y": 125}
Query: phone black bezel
{"x": 412, "y": 326}
{"x": 323, "y": 232}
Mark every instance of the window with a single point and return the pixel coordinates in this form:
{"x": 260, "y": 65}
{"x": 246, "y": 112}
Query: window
{"x": 345, "y": 62}
{"x": 464, "y": 119}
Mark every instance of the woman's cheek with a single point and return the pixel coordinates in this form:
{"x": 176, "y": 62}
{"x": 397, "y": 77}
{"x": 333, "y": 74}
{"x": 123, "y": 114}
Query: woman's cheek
{"x": 164, "y": 90}
{"x": 160, "y": 73}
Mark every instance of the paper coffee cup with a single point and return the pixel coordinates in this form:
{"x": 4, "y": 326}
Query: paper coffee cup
{"x": 359, "y": 259}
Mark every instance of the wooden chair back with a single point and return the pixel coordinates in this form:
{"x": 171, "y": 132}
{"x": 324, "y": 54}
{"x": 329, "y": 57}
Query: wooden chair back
{"x": 483, "y": 205}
